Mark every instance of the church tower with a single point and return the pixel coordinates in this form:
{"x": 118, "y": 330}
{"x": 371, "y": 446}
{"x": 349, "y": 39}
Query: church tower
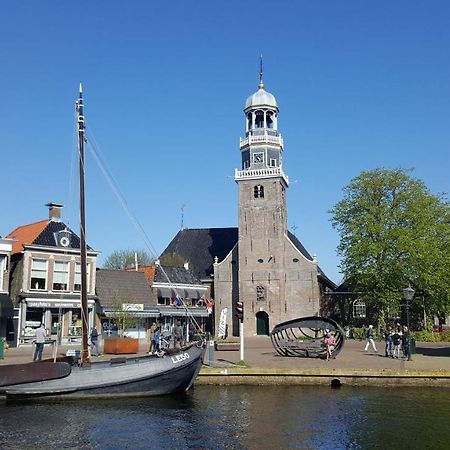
{"x": 277, "y": 280}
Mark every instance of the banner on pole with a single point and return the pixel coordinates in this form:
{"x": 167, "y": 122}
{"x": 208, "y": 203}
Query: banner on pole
{"x": 223, "y": 323}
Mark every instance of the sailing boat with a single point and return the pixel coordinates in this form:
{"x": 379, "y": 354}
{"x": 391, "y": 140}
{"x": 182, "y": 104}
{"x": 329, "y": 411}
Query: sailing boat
{"x": 138, "y": 376}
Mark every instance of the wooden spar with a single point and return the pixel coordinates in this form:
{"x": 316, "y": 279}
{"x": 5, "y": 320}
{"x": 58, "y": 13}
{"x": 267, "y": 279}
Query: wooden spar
{"x": 84, "y": 302}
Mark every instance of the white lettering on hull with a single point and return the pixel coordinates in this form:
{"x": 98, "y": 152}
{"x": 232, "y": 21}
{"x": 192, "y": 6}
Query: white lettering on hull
{"x": 180, "y": 357}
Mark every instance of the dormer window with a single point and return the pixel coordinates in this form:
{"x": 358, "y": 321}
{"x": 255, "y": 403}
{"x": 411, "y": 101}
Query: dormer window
{"x": 258, "y": 191}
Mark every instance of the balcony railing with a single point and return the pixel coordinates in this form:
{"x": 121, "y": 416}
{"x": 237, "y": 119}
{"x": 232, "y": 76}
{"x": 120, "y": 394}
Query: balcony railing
{"x": 261, "y": 139}
{"x": 270, "y": 172}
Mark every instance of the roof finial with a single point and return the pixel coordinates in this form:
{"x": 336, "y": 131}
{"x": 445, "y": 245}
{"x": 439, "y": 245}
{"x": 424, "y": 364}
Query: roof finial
{"x": 261, "y": 83}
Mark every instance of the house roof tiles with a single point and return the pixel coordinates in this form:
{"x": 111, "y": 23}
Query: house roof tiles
{"x": 122, "y": 286}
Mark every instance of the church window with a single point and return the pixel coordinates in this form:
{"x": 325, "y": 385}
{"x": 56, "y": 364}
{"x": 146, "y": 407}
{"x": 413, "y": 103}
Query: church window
{"x": 259, "y": 119}
{"x": 258, "y": 191}
{"x": 269, "y": 120}
{"x": 273, "y": 162}
{"x": 295, "y": 260}
{"x": 260, "y": 293}
{"x": 359, "y": 309}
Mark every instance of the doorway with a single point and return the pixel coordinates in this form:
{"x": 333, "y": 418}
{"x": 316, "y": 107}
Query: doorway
{"x": 262, "y": 323}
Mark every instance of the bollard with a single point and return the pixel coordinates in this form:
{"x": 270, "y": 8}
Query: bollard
{"x": 211, "y": 353}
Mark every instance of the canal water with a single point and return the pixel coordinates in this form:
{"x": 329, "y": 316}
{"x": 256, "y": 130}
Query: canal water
{"x": 238, "y": 417}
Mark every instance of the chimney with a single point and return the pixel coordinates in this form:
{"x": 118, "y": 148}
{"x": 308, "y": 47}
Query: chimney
{"x": 54, "y": 212}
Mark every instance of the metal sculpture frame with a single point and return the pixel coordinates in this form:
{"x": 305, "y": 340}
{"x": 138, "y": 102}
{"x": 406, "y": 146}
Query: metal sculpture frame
{"x": 303, "y": 337}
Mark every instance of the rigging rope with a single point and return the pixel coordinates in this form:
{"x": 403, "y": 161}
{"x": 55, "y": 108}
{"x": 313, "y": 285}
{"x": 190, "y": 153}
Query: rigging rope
{"x": 101, "y": 162}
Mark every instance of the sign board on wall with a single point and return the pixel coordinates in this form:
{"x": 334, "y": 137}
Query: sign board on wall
{"x": 132, "y": 307}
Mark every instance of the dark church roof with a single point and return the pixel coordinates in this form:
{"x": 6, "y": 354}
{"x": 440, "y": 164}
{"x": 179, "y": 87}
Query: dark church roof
{"x": 122, "y": 286}
{"x": 199, "y": 246}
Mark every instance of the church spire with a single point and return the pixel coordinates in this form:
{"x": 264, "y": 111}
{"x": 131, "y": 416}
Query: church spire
{"x": 261, "y": 83}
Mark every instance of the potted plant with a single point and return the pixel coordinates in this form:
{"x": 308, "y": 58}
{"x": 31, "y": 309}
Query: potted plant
{"x": 124, "y": 316}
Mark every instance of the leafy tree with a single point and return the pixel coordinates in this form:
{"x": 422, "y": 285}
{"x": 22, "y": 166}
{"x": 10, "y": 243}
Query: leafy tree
{"x": 394, "y": 232}
{"x": 124, "y": 259}
{"x": 121, "y": 315}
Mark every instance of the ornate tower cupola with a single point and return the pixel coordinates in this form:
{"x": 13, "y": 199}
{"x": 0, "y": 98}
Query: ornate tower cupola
{"x": 262, "y": 147}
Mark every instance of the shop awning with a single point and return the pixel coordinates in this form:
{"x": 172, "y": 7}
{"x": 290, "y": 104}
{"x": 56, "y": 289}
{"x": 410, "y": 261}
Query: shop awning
{"x": 139, "y": 314}
{"x": 171, "y": 311}
{"x": 6, "y": 306}
{"x": 194, "y": 293}
{"x": 166, "y": 292}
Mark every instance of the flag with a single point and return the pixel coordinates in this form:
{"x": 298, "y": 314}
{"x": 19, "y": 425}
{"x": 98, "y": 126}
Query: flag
{"x": 178, "y": 301}
{"x": 209, "y": 306}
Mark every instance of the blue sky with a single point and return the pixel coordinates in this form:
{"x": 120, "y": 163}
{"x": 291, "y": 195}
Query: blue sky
{"x": 360, "y": 85}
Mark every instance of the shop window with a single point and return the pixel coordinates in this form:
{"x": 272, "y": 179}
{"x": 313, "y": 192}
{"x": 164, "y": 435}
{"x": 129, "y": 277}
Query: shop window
{"x": 359, "y": 309}
{"x": 60, "y": 276}
{"x": 38, "y": 274}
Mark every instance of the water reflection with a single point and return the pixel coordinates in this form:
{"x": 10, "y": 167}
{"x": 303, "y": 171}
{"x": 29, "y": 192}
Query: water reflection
{"x": 237, "y": 418}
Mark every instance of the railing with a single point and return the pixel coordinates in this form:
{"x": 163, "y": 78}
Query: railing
{"x": 261, "y": 173}
{"x": 262, "y": 139}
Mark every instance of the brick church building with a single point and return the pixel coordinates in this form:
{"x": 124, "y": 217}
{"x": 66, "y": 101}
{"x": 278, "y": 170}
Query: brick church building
{"x": 259, "y": 263}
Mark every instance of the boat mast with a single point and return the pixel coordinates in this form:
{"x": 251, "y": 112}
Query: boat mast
{"x": 84, "y": 302}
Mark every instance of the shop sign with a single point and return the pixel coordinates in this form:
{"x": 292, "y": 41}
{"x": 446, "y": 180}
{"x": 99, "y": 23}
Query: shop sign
{"x": 132, "y": 307}
{"x": 47, "y": 304}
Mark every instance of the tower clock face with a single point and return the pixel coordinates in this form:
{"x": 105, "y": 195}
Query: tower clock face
{"x": 258, "y": 158}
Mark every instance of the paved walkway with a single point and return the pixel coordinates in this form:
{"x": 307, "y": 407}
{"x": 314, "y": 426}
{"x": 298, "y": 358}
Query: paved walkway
{"x": 260, "y": 354}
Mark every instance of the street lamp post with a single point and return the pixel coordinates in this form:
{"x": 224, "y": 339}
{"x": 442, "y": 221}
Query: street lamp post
{"x": 408, "y": 294}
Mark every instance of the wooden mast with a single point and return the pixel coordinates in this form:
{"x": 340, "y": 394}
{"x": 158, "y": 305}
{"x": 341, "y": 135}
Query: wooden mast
{"x": 84, "y": 302}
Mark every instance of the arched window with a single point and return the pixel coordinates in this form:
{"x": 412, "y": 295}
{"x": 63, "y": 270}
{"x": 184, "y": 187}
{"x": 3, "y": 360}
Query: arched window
{"x": 269, "y": 120}
{"x": 259, "y": 119}
{"x": 258, "y": 191}
{"x": 249, "y": 121}
{"x": 359, "y": 309}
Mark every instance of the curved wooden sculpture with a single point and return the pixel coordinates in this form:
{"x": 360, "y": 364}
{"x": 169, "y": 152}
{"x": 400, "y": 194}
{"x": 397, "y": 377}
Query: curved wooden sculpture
{"x": 303, "y": 337}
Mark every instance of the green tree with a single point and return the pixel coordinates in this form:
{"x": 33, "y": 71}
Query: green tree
{"x": 124, "y": 259}
{"x": 121, "y": 314}
{"x": 394, "y": 232}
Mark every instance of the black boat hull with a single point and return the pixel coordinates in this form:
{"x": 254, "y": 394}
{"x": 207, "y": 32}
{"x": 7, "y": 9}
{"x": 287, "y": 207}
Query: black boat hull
{"x": 141, "y": 376}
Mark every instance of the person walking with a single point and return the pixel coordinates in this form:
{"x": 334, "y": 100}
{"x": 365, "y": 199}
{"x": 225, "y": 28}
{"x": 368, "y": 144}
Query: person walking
{"x": 389, "y": 349}
{"x": 369, "y": 338}
{"x": 94, "y": 341}
{"x": 152, "y": 348}
{"x": 397, "y": 341}
{"x": 41, "y": 335}
{"x": 178, "y": 335}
